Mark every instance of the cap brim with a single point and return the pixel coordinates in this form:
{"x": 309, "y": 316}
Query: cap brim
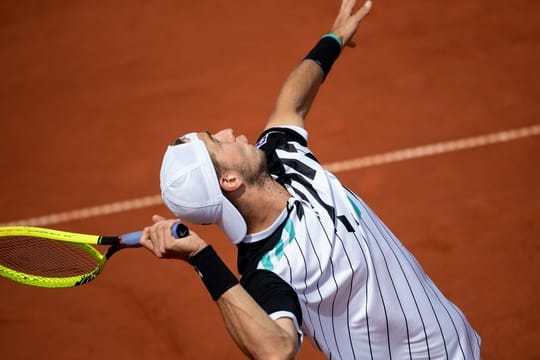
{"x": 232, "y": 222}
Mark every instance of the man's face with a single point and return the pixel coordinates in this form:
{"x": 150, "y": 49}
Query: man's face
{"x": 232, "y": 152}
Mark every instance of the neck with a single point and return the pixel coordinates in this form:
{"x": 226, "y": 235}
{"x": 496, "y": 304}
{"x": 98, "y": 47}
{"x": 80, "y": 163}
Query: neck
{"x": 262, "y": 204}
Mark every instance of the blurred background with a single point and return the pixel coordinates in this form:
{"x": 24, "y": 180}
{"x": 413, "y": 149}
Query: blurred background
{"x": 91, "y": 92}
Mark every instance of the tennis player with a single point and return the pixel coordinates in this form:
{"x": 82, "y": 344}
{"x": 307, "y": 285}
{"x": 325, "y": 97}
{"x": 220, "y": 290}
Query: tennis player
{"x": 314, "y": 259}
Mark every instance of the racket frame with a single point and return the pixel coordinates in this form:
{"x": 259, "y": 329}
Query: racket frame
{"x": 83, "y": 241}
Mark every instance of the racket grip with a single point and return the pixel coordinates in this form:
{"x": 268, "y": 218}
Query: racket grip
{"x": 179, "y": 230}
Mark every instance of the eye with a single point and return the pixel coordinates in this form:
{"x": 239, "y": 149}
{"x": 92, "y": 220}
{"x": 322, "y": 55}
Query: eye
{"x": 214, "y": 140}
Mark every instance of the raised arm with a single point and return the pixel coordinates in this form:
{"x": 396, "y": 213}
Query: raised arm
{"x": 302, "y": 84}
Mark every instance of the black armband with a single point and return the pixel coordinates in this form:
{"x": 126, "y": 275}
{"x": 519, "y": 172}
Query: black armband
{"x": 326, "y": 52}
{"x": 214, "y": 273}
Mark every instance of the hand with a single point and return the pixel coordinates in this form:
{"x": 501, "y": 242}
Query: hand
{"x": 159, "y": 240}
{"x": 347, "y": 23}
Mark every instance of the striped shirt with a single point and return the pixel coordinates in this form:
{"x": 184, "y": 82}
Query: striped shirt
{"x": 361, "y": 294}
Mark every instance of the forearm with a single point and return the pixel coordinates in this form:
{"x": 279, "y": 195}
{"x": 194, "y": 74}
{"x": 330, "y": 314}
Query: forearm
{"x": 255, "y": 333}
{"x": 252, "y": 329}
{"x": 297, "y": 95}
{"x": 301, "y": 86}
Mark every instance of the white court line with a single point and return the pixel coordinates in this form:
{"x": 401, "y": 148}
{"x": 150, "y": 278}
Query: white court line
{"x": 335, "y": 167}
{"x": 434, "y": 149}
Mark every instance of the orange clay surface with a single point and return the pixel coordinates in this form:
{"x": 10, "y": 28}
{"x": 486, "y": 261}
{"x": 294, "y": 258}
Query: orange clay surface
{"x": 92, "y": 91}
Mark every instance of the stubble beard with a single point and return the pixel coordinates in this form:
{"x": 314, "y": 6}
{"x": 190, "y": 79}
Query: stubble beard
{"x": 259, "y": 176}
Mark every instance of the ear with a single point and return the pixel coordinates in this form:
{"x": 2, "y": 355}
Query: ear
{"x": 230, "y": 181}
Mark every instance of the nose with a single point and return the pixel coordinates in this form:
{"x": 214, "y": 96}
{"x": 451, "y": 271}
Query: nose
{"x": 226, "y": 135}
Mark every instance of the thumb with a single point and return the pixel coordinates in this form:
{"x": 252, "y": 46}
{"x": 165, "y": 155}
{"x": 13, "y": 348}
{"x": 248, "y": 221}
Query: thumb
{"x": 157, "y": 218}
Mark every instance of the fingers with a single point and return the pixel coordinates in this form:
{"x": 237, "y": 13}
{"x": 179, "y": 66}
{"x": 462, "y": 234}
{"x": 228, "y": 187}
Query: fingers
{"x": 347, "y": 22}
{"x": 157, "y": 218}
{"x": 151, "y": 240}
{"x": 364, "y": 10}
{"x": 146, "y": 239}
{"x": 347, "y": 6}
{"x": 161, "y": 235}
{"x": 159, "y": 240}
{"x": 155, "y": 238}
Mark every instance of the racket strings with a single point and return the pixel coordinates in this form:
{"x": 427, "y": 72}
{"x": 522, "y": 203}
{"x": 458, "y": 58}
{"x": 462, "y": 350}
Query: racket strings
{"x": 44, "y": 257}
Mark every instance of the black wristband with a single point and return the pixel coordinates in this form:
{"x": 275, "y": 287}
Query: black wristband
{"x": 215, "y": 275}
{"x": 325, "y": 53}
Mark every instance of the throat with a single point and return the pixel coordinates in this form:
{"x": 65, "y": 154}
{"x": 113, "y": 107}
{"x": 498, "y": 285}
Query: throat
{"x": 265, "y": 207}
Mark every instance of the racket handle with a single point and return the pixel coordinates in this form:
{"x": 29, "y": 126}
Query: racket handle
{"x": 179, "y": 230}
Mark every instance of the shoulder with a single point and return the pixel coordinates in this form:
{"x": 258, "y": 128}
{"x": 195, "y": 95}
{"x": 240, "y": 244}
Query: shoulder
{"x": 279, "y": 135}
{"x": 285, "y": 145}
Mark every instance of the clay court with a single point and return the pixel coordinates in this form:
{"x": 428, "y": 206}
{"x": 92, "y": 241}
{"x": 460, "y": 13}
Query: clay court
{"x": 93, "y": 91}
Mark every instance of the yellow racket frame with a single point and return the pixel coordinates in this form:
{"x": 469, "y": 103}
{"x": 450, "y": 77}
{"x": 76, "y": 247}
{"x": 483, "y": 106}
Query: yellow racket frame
{"x": 84, "y": 241}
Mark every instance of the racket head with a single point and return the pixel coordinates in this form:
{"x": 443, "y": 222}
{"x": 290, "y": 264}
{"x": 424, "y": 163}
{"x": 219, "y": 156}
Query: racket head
{"x": 49, "y": 258}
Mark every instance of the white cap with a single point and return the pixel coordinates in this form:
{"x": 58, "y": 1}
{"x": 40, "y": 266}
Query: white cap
{"x": 190, "y": 189}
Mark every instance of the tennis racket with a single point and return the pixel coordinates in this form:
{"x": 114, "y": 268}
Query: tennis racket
{"x": 57, "y": 259}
